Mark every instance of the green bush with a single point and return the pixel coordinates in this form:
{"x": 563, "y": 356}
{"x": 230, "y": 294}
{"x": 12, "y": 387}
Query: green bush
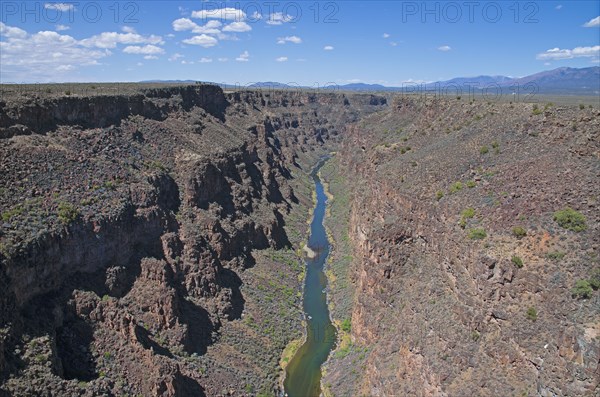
{"x": 536, "y": 110}
{"x": 582, "y": 290}
{"x": 439, "y": 194}
{"x": 519, "y": 232}
{"x": 581, "y": 106}
{"x": 67, "y": 213}
{"x": 468, "y": 213}
{"x": 346, "y": 325}
{"x": 477, "y": 234}
{"x": 555, "y": 255}
{"x": 532, "y": 314}
{"x": 455, "y": 187}
{"x": 595, "y": 279}
{"x": 570, "y": 220}
{"x": 517, "y": 261}
{"x": 471, "y": 184}
{"x": 484, "y": 150}
{"x": 7, "y": 215}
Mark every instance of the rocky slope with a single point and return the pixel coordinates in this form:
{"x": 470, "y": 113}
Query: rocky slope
{"x": 463, "y": 274}
{"x": 146, "y": 238}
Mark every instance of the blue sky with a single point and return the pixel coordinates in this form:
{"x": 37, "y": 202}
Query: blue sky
{"x": 308, "y": 43}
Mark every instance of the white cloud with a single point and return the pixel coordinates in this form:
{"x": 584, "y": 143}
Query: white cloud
{"x": 558, "y": 7}
{"x": 444, "y": 48}
{"x": 282, "y": 59}
{"x": 256, "y": 16}
{"x": 62, "y": 28}
{"x": 278, "y": 18}
{"x": 65, "y": 68}
{"x": 592, "y": 23}
{"x": 227, "y": 13}
{"x": 205, "y": 60}
{"x": 202, "y": 40}
{"x": 59, "y": 6}
{"x": 328, "y": 48}
{"x": 183, "y": 24}
{"x": 393, "y": 43}
{"x": 577, "y": 52}
{"x": 111, "y": 39}
{"x": 175, "y": 57}
{"x": 223, "y": 59}
{"x": 146, "y": 50}
{"x": 150, "y": 57}
{"x": 244, "y": 57}
{"x": 128, "y": 29}
{"x": 187, "y": 62}
{"x": 386, "y": 35}
{"x": 11, "y": 32}
{"x": 237, "y": 27}
{"x": 290, "y": 39}
{"x": 42, "y": 56}
{"x": 139, "y": 64}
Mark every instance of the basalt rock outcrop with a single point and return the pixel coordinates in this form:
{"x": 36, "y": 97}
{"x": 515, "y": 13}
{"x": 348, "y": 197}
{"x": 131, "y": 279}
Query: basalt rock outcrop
{"x": 129, "y": 223}
{"x": 464, "y": 280}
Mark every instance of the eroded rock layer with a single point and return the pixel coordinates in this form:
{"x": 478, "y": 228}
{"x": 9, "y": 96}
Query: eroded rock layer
{"x": 133, "y": 237}
{"x": 466, "y": 282}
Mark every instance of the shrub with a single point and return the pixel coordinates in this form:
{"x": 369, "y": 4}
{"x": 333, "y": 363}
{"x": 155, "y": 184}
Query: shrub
{"x": 581, "y": 106}
{"x": 519, "y": 232}
{"x": 67, "y": 213}
{"x": 582, "y": 290}
{"x": 477, "y": 234}
{"x": 570, "y": 220}
{"x": 595, "y": 279}
{"x": 536, "y": 110}
{"x": 346, "y": 325}
{"x": 439, "y": 194}
{"x": 484, "y": 150}
{"x": 67, "y": 93}
{"x": 517, "y": 261}
{"x": 475, "y": 335}
{"x": 455, "y": 187}
{"x": 468, "y": 213}
{"x": 471, "y": 184}
{"x": 555, "y": 255}
{"x": 532, "y": 314}
{"x": 7, "y": 215}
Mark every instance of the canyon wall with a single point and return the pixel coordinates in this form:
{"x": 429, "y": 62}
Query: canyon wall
{"x": 139, "y": 231}
{"x": 464, "y": 280}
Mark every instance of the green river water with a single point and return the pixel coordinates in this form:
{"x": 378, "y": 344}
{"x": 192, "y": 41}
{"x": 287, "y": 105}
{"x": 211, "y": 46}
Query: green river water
{"x": 303, "y": 373}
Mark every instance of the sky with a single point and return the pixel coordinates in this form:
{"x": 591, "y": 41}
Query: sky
{"x": 308, "y": 43}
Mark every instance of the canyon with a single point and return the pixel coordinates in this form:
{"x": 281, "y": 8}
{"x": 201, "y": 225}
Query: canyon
{"x": 152, "y": 242}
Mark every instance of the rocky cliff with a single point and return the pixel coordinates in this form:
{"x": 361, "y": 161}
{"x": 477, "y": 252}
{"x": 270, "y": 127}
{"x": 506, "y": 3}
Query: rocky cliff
{"x": 470, "y": 276}
{"x": 139, "y": 231}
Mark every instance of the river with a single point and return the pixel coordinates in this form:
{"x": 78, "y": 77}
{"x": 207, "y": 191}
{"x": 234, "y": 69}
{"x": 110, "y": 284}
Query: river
{"x": 303, "y": 373}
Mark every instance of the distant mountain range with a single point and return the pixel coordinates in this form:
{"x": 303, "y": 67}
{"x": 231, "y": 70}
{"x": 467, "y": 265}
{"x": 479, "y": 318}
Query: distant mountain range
{"x": 566, "y": 81}
{"x": 561, "y": 81}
